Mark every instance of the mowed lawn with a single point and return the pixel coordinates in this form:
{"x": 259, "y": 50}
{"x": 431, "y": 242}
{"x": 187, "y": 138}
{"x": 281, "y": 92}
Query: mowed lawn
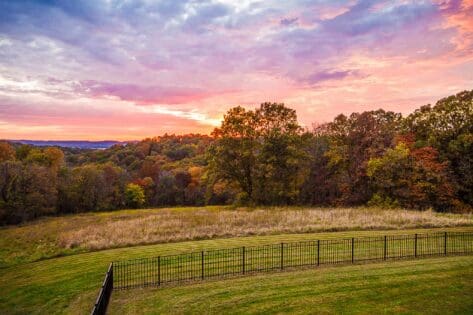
{"x": 424, "y": 286}
{"x": 70, "y": 284}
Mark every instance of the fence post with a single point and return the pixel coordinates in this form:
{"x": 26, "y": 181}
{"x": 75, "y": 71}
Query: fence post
{"x": 159, "y": 270}
{"x": 415, "y": 245}
{"x": 445, "y": 244}
{"x": 318, "y": 252}
{"x": 243, "y": 260}
{"x": 202, "y": 254}
{"x": 352, "y": 250}
{"x": 111, "y": 276}
{"x": 282, "y": 256}
{"x": 385, "y": 247}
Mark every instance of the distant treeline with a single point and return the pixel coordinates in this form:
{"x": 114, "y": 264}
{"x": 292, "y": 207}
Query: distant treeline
{"x": 258, "y": 157}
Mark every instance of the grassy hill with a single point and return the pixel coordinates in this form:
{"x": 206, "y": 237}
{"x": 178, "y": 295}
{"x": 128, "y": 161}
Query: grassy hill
{"x": 430, "y": 286}
{"x": 70, "y": 284}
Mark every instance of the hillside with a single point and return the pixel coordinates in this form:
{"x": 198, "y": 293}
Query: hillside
{"x": 430, "y": 286}
{"x": 70, "y": 284}
{"x": 75, "y": 144}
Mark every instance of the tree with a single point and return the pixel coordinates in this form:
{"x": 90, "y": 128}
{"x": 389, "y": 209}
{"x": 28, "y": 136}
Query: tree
{"x": 320, "y": 186}
{"x": 54, "y": 158}
{"x": 261, "y": 151}
{"x": 352, "y": 142}
{"x": 7, "y": 153}
{"x": 233, "y": 157}
{"x": 134, "y": 196}
{"x": 411, "y": 177}
{"x": 28, "y": 191}
{"x": 448, "y": 127}
{"x": 166, "y": 191}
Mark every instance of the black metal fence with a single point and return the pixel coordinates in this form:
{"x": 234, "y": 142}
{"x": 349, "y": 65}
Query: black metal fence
{"x": 245, "y": 260}
{"x": 101, "y": 303}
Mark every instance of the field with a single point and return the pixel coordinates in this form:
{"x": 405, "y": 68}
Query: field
{"x": 73, "y": 234}
{"x": 427, "y": 286}
{"x": 41, "y": 275}
{"x": 70, "y": 284}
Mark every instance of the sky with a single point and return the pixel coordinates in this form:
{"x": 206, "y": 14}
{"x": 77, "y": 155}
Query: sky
{"x": 127, "y": 70}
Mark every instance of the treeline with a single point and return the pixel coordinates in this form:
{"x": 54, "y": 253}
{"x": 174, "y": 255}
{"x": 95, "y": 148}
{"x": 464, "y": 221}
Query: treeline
{"x": 258, "y": 157}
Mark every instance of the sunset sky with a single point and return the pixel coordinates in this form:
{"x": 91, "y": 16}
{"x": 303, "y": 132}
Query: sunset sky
{"x": 126, "y": 70}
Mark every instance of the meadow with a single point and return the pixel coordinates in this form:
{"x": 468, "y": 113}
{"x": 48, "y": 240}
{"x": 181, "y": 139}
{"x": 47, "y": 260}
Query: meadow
{"x": 69, "y": 284}
{"x": 72, "y": 234}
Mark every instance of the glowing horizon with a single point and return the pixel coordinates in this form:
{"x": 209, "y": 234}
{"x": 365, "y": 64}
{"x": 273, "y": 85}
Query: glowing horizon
{"x": 121, "y": 70}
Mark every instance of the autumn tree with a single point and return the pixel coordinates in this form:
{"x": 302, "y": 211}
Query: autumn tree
{"x": 261, "y": 150}
{"x": 350, "y": 143}
{"x": 7, "y": 153}
{"x": 448, "y": 127}
{"x": 411, "y": 177}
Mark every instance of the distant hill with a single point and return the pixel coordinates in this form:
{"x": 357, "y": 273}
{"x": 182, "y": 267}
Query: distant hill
{"x": 71, "y": 144}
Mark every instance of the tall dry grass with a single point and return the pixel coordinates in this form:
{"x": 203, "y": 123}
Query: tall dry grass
{"x": 170, "y": 225}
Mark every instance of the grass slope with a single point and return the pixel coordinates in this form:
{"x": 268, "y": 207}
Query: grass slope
{"x": 427, "y": 286}
{"x": 70, "y": 284}
{"x": 72, "y": 234}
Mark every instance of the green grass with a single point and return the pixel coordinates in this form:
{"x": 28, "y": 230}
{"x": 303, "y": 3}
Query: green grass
{"x": 70, "y": 284}
{"x": 425, "y": 286}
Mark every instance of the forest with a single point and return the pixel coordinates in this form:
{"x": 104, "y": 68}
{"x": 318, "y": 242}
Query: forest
{"x": 258, "y": 157}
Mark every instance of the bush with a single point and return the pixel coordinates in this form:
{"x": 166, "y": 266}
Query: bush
{"x": 134, "y": 196}
{"x": 377, "y": 200}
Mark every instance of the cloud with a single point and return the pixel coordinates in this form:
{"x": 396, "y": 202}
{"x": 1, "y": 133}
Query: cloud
{"x": 322, "y": 76}
{"x": 141, "y": 94}
{"x": 288, "y": 21}
{"x": 198, "y": 58}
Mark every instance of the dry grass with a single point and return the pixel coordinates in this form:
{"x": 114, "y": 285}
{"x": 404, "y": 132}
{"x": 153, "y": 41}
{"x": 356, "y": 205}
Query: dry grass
{"x": 72, "y": 234}
{"x": 170, "y": 225}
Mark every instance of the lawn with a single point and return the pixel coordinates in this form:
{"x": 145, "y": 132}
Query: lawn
{"x": 81, "y": 233}
{"x": 70, "y": 284}
{"x": 426, "y": 286}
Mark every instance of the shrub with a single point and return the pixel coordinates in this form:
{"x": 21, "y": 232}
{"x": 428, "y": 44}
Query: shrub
{"x": 134, "y": 196}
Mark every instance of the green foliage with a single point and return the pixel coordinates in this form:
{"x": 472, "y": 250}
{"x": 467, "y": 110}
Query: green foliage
{"x": 134, "y": 196}
{"x": 377, "y": 200}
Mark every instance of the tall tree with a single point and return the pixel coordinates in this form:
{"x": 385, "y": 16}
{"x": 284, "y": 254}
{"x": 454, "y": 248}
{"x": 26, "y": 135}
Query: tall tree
{"x": 261, "y": 151}
{"x": 448, "y": 127}
{"x": 352, "y": 142}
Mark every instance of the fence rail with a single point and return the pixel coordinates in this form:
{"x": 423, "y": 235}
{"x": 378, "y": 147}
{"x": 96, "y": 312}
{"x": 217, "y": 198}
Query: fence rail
{"x": 202, "y": 265}
{"x": 100, "y": 306}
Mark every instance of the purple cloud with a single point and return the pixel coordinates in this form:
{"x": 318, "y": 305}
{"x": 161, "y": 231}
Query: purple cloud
{"x": 322, "y": 76}
{"x": 288, "y": 21}
{"x": 141, "y": 94}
